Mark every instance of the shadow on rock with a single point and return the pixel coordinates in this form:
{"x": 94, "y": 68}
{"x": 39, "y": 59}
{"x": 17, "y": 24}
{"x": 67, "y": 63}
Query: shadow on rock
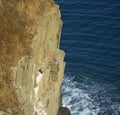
{"x": 64, "y": 111}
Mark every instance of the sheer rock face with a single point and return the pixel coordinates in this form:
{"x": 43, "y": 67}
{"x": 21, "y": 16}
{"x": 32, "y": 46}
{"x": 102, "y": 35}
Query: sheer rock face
{"x": 31, "y": 63}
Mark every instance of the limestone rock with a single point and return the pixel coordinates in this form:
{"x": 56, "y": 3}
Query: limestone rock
{"x": 4, "y": 113}
{"x": 31, "y": 63}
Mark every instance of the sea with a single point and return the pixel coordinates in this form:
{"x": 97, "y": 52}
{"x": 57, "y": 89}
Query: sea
{"x": 91, "y": 40}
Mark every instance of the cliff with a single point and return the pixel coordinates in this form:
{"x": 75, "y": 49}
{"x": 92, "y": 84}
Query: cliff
{"x": 31, "y": 63}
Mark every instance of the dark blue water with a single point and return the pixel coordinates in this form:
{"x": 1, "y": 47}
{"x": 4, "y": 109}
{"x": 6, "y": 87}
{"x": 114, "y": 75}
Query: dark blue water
{"x": 91, "y": 40}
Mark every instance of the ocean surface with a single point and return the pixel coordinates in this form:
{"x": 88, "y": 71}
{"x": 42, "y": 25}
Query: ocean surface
{"x": 91, "y": 40}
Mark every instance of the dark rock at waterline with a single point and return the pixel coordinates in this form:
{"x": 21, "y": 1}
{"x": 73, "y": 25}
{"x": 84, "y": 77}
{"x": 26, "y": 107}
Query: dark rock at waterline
{"x": 64, "y": 111}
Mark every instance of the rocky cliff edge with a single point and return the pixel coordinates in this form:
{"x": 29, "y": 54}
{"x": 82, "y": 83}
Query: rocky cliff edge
{"x": 31, "y": 63}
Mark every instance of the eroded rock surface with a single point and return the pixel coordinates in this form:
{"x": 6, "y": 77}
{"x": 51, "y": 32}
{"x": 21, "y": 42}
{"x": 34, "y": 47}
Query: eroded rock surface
{"x": 31, "y": 63}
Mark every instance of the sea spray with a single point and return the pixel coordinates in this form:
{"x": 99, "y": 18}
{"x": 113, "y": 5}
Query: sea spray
{"x": 88, "y": 97}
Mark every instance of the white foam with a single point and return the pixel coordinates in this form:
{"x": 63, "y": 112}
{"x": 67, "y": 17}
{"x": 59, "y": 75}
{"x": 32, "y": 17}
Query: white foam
{"x": 86, "y": 96}
{"x": 77, "y": 100}
{"x": 87, "y": 112}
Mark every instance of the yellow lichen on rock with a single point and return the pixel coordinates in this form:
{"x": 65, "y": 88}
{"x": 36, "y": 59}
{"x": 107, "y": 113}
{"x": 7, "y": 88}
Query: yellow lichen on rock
{"x": 31, "y": 63}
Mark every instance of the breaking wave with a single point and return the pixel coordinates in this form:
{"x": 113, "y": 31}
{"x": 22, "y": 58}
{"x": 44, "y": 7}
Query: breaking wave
{"x": 88, "y": 97}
